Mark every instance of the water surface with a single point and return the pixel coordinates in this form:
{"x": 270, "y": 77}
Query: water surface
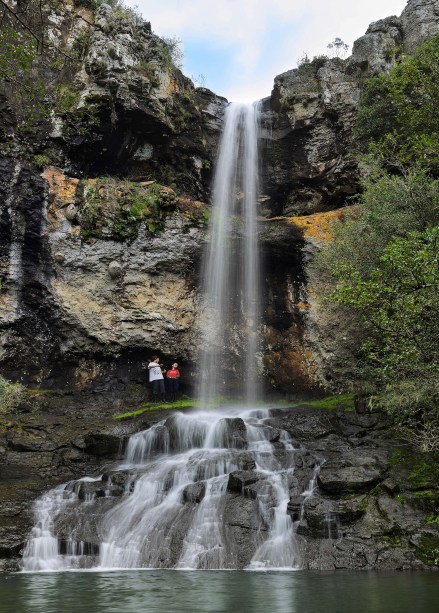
{"x": 219, "y": 592}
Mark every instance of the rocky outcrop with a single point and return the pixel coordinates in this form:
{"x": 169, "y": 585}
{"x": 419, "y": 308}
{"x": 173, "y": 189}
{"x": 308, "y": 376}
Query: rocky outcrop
{"x": 313, "y": 110}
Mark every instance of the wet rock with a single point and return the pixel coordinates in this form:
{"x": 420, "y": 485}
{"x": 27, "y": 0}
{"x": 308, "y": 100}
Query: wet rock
{"x": 243, "y": 528}
{"x": 335, "y": 480}
{"x": 32, "y": 441}
{"x": 118, "y": 478}
{"x": 391, "y": 486}
{"x": 117, "y": 482}
{"x": 235, "y": 433}
{"x": 87, "y": 490}
{"x": 239, "y": 479}
{"x": 349, "y": 511}
{"x": 304, "y": 424}
{"x": 82, "y": 548}
{"x": 99, "y": 444}
{"x": 294, "y": 507}
{"x": 194, "y": 492}
{"x": 247, "y": 461}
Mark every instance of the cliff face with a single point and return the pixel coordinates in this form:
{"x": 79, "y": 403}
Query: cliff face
{"x": 97, "y": 273}
{"x": 101, "y": 248}
{"x": 310, "y": 167}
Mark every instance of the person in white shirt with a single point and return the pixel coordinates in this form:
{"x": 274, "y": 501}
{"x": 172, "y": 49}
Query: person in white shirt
{"x": 156, "y": 378}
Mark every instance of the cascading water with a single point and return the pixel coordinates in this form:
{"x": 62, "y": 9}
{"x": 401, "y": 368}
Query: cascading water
{"x": 231, "y": 283}
{"x": 208, "y": 489}
{"x": 178, "y": 501}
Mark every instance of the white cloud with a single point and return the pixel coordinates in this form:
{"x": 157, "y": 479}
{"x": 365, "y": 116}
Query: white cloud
{"x": 242, "y": 25}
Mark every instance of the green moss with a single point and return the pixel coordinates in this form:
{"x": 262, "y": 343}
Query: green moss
{"x": 428, "y": 550}
{"x": 198, "y": 216}
{"x": 392, "y": 540}
{"x": 186, "y": 403}
{"x": 330, "y": 403}
{"x": 179, "y": 404}
{"x": 421, "y": 489}
{"x": 10, "y": 395}
{"x": 148, "y": 70}
{"x": 39, "y": 392}
{"x": 68, "y": 99}
{"x": 41, "y": 161}
{"x": 115, "y": 209}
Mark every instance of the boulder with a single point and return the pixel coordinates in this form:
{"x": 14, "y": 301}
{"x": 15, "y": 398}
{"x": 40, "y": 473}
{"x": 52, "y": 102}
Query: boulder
{"x": 333, "y": 480}
{"x": 194, "y": 492}
{"x": 239, "y": 479}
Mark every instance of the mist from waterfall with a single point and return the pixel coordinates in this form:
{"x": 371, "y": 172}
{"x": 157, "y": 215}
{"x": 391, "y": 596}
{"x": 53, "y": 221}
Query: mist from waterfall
{"x": 231, "y": 268}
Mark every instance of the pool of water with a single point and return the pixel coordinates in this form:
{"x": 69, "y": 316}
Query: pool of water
{"x": 219, "y": 592}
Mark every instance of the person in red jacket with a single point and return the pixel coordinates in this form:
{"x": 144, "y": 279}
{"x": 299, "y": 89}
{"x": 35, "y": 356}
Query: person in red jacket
{"x": 173, "y": 379}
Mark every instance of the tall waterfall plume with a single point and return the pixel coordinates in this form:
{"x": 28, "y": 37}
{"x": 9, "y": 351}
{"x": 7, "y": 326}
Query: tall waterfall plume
{"x": 231, "y": 268}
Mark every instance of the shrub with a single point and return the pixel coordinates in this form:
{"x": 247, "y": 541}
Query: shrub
{"x": 11, "y": 394}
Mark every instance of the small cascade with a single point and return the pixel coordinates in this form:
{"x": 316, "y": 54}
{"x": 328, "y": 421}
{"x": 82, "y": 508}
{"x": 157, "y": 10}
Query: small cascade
{"x": 174, "y": 501}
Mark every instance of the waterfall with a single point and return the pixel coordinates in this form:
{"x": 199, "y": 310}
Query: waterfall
{"x": 207, "y": 489}
{"x": 231, "y": 285}
{"x": 201, "y": 490}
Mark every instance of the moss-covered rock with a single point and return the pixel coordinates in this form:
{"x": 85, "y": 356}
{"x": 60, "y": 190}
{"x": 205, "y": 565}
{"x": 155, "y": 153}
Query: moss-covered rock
{"x": 115, "y": 209}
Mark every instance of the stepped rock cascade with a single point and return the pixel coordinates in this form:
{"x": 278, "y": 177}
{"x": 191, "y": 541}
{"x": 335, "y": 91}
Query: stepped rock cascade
{"x": 177, "y": 500}
{"x": 231, "y": 270}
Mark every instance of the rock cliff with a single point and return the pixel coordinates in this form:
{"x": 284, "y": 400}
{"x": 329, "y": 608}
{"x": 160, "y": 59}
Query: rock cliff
{"x": 101, "y": 250}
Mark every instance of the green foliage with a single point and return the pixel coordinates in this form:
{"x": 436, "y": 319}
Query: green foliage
{"x": 18, "y": 52}
{"x": 398, "y": 303}
{"x": 172, "y": 52}
{"x": 41, "y": 161}
{"x": 399, "y": 111}
{"x": 149, "y": 70}
{"x": 80, "y": 123}
{"x": 11, "y": 394}
{"x": 81, "y": 44}
{"x": 67, "y": 99}
{"x": 115, "y": 209}
{"x": 317, "y": 62}
{"x": 379, "y": 278}
{"x": 389, "y": 206}
{"x": 428, "y": 549}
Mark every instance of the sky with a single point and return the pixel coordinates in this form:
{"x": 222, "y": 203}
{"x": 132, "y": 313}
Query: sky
{"x": 237, "y": 47}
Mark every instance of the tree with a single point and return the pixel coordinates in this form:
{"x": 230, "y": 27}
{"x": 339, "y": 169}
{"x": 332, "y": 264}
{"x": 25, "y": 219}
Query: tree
{"x": 378, "y": 286}
{"x": 399, "y": 306}
{"x": 399, "y": 111}
{"x": 338, "y": 48}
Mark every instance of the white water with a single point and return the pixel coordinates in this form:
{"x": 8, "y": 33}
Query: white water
{"x": 175, "y": 512}
{"x": 231, "y": 276}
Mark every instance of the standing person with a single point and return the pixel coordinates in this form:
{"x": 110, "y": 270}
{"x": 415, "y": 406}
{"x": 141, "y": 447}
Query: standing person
{"x": 156, "y": 379}
{"x": 174, "y": 376}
